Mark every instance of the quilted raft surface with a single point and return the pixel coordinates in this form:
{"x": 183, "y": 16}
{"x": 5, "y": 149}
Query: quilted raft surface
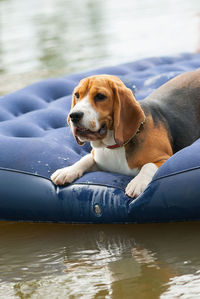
{"x": 35, "y": 141}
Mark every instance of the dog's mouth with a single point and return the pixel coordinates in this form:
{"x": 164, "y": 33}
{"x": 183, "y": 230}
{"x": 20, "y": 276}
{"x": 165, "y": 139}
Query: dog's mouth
{"x": 88, "y": 135}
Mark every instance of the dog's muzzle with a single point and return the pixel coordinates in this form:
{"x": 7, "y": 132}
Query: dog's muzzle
{"x": 75, "y": 117}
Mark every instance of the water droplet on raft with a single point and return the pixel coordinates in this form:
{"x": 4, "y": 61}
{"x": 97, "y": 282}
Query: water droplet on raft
{"x": 134, "y": 88}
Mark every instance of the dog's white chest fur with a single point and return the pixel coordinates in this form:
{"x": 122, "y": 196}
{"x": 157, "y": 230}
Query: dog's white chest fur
{"x": 113, "y": 160}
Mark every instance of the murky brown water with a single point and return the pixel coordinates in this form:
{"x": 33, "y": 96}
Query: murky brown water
{"x": 99, "y": 261}
{"x": 50, "y": 38}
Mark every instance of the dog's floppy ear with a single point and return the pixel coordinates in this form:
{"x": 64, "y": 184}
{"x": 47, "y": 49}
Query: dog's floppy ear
{"x": 128, "y": 115}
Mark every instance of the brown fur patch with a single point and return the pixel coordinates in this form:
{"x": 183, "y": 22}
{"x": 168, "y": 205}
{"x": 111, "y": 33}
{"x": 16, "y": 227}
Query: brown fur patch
{"x": 93, "y": 124}
{"x": 151, "y": 145}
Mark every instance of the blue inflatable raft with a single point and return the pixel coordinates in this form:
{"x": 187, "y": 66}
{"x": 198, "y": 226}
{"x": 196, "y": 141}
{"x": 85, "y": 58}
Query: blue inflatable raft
{"x": 34, "y": 142}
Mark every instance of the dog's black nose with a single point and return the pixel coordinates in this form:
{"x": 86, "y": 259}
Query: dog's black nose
{"x": 76, "y": 116}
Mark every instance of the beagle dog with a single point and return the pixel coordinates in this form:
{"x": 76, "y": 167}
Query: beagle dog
{"x": 130, "y": 137}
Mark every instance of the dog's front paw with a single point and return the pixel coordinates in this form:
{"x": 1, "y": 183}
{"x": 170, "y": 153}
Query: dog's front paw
{"x": 136, "y": 186}
{"x": 65, "y": 175}
{"x": 141, "y": 181}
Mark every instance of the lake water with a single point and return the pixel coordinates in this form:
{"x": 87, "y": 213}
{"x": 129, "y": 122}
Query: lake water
{"x": 49, "y": 38}
{"x": 100, "y": 261}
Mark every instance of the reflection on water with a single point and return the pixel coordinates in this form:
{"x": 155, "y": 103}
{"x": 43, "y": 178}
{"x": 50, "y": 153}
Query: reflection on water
{"x": 45, "y": 38}
{"x": 98, "y": 261}
{"x": 184, "y": 286}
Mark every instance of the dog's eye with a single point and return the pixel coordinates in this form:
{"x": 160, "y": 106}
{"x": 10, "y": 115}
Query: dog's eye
{"x": 76, "y": 95}
{"x": 99, "y": 97}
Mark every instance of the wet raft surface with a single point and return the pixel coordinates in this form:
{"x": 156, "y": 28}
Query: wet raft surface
{"x": 34, "y": 139}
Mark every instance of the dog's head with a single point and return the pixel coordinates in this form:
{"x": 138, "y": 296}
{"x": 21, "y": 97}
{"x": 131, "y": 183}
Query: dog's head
{"x": 101, "y": 104}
